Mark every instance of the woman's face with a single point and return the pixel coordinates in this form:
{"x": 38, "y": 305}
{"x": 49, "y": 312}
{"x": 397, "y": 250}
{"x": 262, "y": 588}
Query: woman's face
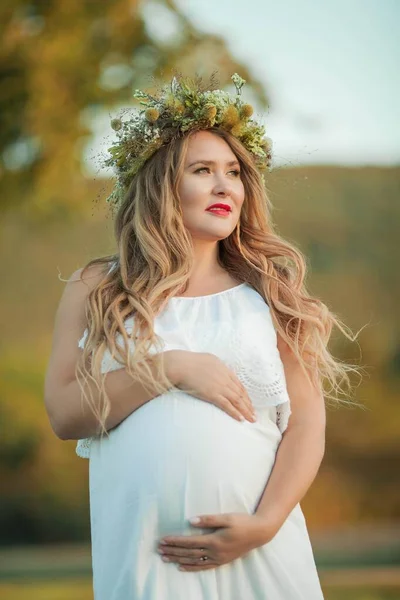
{"x": 211, "y": 175}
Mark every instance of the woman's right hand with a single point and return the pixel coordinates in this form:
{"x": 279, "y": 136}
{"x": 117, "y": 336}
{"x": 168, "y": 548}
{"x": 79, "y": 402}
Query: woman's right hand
{"x": 206, "y": 376}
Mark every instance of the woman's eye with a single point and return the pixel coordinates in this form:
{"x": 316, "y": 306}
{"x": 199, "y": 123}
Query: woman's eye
{"x": 236, "y": 172}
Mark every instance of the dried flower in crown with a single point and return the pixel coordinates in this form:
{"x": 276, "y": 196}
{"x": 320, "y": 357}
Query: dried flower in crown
{"x": 184, "y": 105}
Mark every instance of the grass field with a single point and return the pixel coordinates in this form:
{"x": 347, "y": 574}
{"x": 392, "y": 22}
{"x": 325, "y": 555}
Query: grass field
{"x": 63, "y": 572}
{"x": 81, "y": 589}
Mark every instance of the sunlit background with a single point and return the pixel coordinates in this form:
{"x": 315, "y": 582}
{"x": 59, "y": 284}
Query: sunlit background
{"x": 324, "y": 79}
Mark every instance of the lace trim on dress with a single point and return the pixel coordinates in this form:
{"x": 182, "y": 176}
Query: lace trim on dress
{"x": 264, "y": 379}
{"x": 268, "y": 389}
{"x": 283, "y": 412}
{"x": 260, "y": 369}
{"x": 83, "y": 447}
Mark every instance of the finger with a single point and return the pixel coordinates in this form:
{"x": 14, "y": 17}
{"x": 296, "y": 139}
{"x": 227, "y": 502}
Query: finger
{"x": 200, "y": 568}
{"x": 240, "y": 405}
{"x": 219, "y": 520}
{"x": 187, "y": 541}
{"x": 228, "y": 408}
{"x": 245, "y": 398}
{"x": 240, "y": 390}
{"x": 187, "y": 552}
{"x": 185, "y": 560}
{"x": 243, "y": 393}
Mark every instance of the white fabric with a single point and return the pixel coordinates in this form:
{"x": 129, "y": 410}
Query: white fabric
{"x": 178, "y": 456}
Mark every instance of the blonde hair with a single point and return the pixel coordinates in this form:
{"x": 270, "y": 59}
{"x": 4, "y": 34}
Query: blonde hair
{"x": 154, "y": 261}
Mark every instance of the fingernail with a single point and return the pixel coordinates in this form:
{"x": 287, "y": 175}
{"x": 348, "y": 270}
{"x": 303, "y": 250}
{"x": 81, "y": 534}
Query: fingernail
{"x": 194, "y": 520}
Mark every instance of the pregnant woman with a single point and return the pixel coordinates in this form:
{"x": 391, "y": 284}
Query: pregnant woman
{"x": 196, "y": 389}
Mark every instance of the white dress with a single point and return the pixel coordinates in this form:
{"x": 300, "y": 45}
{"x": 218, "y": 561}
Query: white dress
{"x": 178, "y": 456}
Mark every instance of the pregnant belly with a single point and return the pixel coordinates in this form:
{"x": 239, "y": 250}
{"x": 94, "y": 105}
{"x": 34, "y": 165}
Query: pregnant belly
{"x": 183, "y": 456}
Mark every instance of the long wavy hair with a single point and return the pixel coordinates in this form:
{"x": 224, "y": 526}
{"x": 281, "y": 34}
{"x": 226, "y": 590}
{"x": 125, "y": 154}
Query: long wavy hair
{"x": 153, "y": 263}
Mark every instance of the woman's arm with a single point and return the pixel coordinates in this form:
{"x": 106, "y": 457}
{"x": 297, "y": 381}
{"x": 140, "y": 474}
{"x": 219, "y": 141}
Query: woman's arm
{"x": 72, "y": 419}
{"x": 302, "y": 447}
{"x": 69, "y": 416}
{"x": 296, "y": 464}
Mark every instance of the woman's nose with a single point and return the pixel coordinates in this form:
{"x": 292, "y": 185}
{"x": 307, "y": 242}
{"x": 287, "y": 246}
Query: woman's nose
{"x": 222, "y": 188}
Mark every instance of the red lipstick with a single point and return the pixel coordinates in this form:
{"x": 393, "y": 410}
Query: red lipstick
{"x": 219, "y": 209}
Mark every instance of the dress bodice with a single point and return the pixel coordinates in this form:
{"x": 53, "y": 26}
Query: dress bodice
{"x": 236, "y": 326}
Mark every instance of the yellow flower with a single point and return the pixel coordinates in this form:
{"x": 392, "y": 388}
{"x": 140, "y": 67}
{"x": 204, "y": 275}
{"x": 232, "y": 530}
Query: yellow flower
{"x": 209, "y": 111}
{"x": 178, "y": 107}
{"x": 152, "y": 115}
{"x": 231, "y": 116}
{"x": 237, "y": 130}
{"x": 247, "y": 110}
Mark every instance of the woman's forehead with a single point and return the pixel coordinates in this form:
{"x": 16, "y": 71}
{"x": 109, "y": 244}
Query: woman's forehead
{"x": 206, "y": 145}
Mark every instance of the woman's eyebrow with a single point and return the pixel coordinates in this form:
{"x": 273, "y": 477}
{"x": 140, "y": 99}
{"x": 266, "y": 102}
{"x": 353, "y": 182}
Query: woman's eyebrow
{"x": 211, "y": 162}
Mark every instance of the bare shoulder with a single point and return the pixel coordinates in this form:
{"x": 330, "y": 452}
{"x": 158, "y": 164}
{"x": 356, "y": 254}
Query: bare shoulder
{"x": 87, "y": 278}
{"x": 69, "y": 325}
{"x": 82, "y": 282}
{"x": 70, "y": 317}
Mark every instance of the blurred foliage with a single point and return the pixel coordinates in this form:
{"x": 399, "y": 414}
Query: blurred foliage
{"x": 46, "y": 495}
{"x": 64, "y": 63}
{"x": 82, "y": 589}
{"x": 61, "y": 63}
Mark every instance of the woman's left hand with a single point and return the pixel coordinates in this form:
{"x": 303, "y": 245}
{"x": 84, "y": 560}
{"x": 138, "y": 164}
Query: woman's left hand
{"x": 237, "y": 534}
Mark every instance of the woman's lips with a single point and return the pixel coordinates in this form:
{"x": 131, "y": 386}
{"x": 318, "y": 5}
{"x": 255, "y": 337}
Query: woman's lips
{"x": 219, "y": 211}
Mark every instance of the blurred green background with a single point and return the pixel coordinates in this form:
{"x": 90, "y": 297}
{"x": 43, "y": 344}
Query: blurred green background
{"x": 65, "y": 67}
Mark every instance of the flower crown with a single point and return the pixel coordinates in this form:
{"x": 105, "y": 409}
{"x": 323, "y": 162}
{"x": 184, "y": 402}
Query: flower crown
{"x": 184, "y": 105}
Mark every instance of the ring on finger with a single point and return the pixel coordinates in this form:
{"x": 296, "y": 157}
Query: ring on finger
{"x": 202, "y": 558}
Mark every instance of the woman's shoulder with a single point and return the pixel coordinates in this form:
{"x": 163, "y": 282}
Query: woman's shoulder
{"x": 91, "y": 274}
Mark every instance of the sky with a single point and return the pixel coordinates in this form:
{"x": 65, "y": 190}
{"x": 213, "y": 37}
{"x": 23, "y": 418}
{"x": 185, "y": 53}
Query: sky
{"x": 330, "y": 68}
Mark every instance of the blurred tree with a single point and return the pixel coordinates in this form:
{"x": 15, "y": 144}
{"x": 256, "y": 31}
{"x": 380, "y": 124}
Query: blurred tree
{"x": 61, "y": 61}
{"x": 45, "y": 493}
